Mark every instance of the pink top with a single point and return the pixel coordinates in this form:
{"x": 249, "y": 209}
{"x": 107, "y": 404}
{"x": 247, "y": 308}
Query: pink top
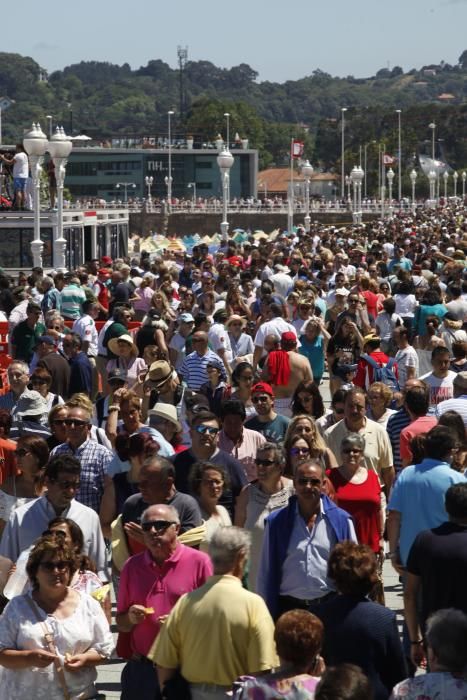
{"x": 420, "y": 426}
{"x": 245, "y": 450}
{"x": 144, "y": 302}
{"x": 143, "y": 582}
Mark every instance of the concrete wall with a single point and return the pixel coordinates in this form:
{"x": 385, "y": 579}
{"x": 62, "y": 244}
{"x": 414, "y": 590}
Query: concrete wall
{"x": 208, "y": 224}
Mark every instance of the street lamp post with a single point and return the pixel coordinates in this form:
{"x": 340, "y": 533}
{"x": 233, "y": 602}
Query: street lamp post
{"x": 307, "y": 171}
{"x": 343, "y": 111}
{"x": 390, "y": 178}
{"x": 432, "y": 126}
{"x": 35, "y": 144}
{"x": 60, "y": 148}
{"x": 455, "y": 175}
{"x": 353, "y": 181}
{"x": 432, "y": 179}
{"x": 359, "y": 175}
{"x": 125, "y": 185}
{"x": 168, "y": 179}
{"x": 413, "y": 180}
{"x": 464, "y": 177}
{"x": 49, "y": 118}
{"x": 445, "y": 178}
{"x": 348, "y": 182}
{"x": 399, "y": 159}
{"x": 149, "y": 180}
{"x": 225, "y": 161}
{"x": 227, "y": 116}
{"x": 192, "y": 185}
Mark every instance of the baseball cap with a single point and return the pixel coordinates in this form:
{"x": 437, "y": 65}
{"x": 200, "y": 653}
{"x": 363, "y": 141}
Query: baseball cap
{"x": 262, "y": 388}
{"x": 288, "y": 337}
{"x": 186, "y": 318}
{"x": 117, "y": 374}
{"x": 106, "y": 260}
{"x": 46, "y": 339}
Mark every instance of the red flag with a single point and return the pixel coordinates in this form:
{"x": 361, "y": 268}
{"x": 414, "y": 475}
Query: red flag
{"x": 297, "y": 148}
{"x": 388, "y": 160}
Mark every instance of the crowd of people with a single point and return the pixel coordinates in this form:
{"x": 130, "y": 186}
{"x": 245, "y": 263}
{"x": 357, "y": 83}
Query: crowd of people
{"x": 165, "y": 439}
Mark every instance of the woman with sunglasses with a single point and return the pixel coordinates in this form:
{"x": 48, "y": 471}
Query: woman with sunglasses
{"x": 243, "y": 378}
{"x": 41, "y": 379}
{"x": 32, "y": 454}
{"x": 52, "y": 639}
{"x": 303, "y": 426}
{"x": 207, "y": 483}
{"x": 269, "y": 491}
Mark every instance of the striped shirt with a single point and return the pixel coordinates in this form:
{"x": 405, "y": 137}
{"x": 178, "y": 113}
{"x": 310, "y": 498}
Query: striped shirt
{"x": 396, "y": 423}
{"x": 72, "y": 299}
{"x": 193, "y": 369}
{"x": 94, "y": 460}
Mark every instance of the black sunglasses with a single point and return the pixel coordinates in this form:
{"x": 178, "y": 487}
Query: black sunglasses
{"x": 157, "y": 525}
{"x": 75, "y": 421}
{"x": 52, "y": 565}
{"x": 264, "y": 462}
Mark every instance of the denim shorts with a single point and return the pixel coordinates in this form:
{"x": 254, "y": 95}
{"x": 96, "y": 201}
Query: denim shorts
{"x": 19, "y": 184}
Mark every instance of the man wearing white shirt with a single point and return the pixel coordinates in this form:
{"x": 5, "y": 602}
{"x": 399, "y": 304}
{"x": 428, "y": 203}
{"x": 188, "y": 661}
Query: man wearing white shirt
{"x": 275, "y": 326}
{"x": 219, "y": 339}
{"x": 86, "y": 329}
{"x": 440, "y": 380}
{"x": 20, "y": 174}
{"x": 406, "y": 356}
{"x": 28, "y": 522}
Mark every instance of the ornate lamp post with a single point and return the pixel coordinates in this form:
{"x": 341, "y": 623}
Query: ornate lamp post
{"x": 413, "y": 180}
{"x": 455, "y": 175}
{"x": 432, "y": 179}
{"x": 390, "y": 177}
{"x": 307, "y": 171}
{"x": 125, "y": 185}
{"x": 445, "y": 178}
{"x": 35, "y": 144}
{"x": 399, "y": 159}
{"x": 192, "y": 185}
{"x": 343, "y": 179}
{"x": 353, "y": 181}
{"x": 464, "y": 178}
{"x": 358, "y": 176}
{"x": 168, "y": 179}
{"x": 348, "y": 182}
{"x": 149, "y": 180}
{"x": 225, "y": 161}
{"x": 60, "y": 148}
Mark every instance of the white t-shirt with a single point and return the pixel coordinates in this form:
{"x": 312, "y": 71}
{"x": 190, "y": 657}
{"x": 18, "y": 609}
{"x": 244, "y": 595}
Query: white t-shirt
{"x": 21, "y": 166}
{"x": 440, "y": 389}
{"x": 405, "y": 304}
{"x": 178, "y": 343}
{"x": 276, "y": 327}
{"x": 219, "y": 339}
{"x": 86, "y": 329}
{"x": 406, "y": 358}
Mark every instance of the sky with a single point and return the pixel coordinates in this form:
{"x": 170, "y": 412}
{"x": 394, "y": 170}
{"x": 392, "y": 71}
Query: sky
{"x": 280, "y": 40}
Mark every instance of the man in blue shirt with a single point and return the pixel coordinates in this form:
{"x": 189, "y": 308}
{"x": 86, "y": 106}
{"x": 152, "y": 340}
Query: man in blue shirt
{"x": 80, "y": 367}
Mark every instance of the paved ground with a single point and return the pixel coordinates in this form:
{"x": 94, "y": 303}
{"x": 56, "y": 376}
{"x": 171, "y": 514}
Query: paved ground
{"x": 109, "y": 674}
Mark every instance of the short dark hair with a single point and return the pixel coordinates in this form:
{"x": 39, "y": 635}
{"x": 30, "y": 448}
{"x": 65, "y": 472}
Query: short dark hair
{"x": 232, "y": 407}
{"x": 197, "y": 472}
{"x": 454, "y": 421}
{"x": 455, "y": 501}
{"x": 36, "y": 446}
{"x": 298, "y": 636}
{"x": 446, "y": 635}
{"x": 439, "y": 350}
{"x": 439, "y": 441}
{"x": 62, "y": 463}
{"x": 353, "y": 568}
{"x": 344, "y": 682}
{"x": 203, "y": 416}
{"x": 417, "y": 399}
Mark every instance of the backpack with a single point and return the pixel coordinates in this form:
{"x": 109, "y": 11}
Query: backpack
{"x": 383, "y": 374}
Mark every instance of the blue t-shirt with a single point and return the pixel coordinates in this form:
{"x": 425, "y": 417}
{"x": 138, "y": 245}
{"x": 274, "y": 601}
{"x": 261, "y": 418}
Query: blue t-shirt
{"x": 418, "y": 495}
{"x": 274, "y": 430}
{"x": 314, "y": 352}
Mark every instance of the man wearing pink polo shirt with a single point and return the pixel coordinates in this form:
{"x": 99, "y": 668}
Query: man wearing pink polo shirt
{"x": 150, "y": 585}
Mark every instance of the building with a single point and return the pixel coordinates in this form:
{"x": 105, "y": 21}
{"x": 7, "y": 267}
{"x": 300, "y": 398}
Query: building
{"x": 96, "y": 172}
{"x": 275, "y": 182}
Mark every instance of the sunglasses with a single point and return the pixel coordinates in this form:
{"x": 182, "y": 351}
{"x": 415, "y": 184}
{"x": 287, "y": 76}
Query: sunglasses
{"x": 197, "y": 340}
{"x": 38, "y": 380}
{"x": 206, "y": 430}
{"x": 352, "y": 450}
{"x": 75, "y": 421}
{"x": 296, "y": 451}
{"x": 260, "y": 399}
{"x": 157, "y": 525}
{"x": 52, "y": 565}
{"x": 264, "y": 462}
{"x": 304, "y": 481}
{"x": 67, "y": 484}
{"x": 59, "y": 421}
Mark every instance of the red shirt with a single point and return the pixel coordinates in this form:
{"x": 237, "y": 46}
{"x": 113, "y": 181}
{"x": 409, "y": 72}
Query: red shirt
{"x": 7, "y": 459}
{"x": 371, "y": 300}
{"x": 363, "y": 502}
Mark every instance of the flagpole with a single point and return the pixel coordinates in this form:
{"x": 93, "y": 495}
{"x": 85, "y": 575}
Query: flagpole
{"x": 290, "y": 207}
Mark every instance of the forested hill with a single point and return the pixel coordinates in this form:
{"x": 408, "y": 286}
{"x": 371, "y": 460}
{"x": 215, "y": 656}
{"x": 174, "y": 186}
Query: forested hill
{"x": 103, "y": 99}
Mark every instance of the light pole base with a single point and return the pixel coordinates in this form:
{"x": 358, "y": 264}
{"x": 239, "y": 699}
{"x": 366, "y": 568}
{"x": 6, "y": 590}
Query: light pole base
{"x": 307, "y": 223}
{"x": 60, "y": 255}
{"x": 37, "y": 246}
{"x": 224, "y": 231}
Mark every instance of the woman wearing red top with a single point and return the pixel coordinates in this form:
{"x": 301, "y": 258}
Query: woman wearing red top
{"x": 358, "y": 491}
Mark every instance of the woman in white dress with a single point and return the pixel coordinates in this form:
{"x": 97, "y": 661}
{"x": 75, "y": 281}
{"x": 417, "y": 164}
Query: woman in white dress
{"x": 207, "y": 484}
{"x": 52, "y": 639}
{"x": 32, "y": 455}
{"x": 270, "y": 490}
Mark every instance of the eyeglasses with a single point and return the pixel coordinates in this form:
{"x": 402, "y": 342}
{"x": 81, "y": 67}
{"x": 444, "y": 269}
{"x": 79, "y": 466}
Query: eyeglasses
{"x": 52, "y": 565}
{"x": 197, "y": 340}
{"x": 75, "y": 421}
{"x": 157, "y": 525}
{"x": 260, "y": 399}
{"x": 305, "y": 481}
{"x": 265, "y": 462}
{"x": 296, "y": 451}
{"x": 213, "y": 482}
{"x": 206, "y": 430}
{"x": 59, "y": 421}
{"x": 352, "y": 450}
{"x": 21, "y": 452}
{"x": 38, "y": 380}
{"x": 354, "y": 301}
{"x": 65, "y": 485}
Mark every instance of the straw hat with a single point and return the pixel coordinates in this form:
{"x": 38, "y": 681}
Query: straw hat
{"x": 235, "y": 318}
{"x": 166, "y": 411}
{"x": 113, "y": 343}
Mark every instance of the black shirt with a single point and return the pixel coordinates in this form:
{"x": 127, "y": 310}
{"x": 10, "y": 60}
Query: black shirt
{"x": 439, "y": 558}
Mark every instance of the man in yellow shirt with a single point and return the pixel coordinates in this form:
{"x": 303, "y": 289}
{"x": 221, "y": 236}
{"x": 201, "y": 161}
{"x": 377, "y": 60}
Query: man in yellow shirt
{"x": 219, "y": 631}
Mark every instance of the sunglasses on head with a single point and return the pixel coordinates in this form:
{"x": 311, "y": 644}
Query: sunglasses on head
{"x": 157, "y": 525}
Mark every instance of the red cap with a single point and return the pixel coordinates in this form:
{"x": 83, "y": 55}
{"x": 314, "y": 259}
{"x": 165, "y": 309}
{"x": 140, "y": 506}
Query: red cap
{"x": 106, "y": 260}
{"x": 262, "y": 388}
{"x": 288, "y": 337}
